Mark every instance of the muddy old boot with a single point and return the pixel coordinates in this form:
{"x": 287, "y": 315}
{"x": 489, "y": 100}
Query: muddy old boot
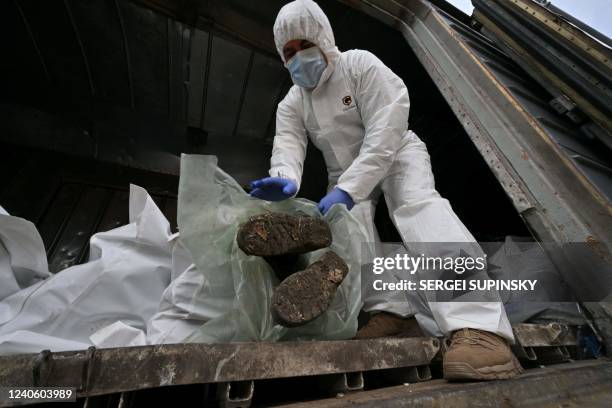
{"x": 385, "y": 324}
{"x": 273, "y": 234}
{"x": 479, "y": 355}
{"x": 305, "y": 295}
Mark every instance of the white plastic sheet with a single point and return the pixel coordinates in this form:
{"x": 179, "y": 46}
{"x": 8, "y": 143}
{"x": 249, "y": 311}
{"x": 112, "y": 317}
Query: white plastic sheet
{"x": 22, "y": 255}
{"x": 128, "y": 269}
{"x": 520, "y": 258}
{"x": 118, "y": 334}
{"x": 210, "y": 290}
{"x": 223, "y": 294}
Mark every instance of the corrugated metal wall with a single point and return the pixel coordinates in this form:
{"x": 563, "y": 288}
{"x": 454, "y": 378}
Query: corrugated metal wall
{"x": 120, "y": 77}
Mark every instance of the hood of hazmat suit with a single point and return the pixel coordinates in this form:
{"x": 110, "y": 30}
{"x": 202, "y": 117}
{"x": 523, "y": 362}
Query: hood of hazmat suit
{"x": 304, "y": 20}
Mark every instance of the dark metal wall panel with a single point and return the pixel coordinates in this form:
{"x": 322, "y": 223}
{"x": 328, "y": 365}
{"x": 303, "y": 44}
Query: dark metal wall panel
{"x": 589, "y": 155}
{"x": 28, "y": 193}
{"x": 33, "y": 127}
{"x": 147, "y": 39}
{"x": 228, "y": 70}
{"x": 69, "y": 199}
{"x": 573, "y": 140}
{"x": 264, "y": 11}
{"x": 11, "y": 163}
{"x": 563, "y": 58}
{"x": 265, "y": 81}
{"x": 178, "y": 63}
{"x": 53, "y": 30}
{"x": 142, "y": 79}
{"x": 170, "y": 210}
{"x": 77, "y": 231}
{"x": 271, "y": 130}
{"x": 117, "y": 211}
{"x": 197, "y": 76}
{"x": 57, "y": 214}
{"x": 100, "y": 31}
{"x": 21, "y": 66}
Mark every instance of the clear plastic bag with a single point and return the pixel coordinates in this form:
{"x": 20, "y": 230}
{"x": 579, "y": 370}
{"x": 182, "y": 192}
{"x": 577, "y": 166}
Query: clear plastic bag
{"x": 211, "y": 208}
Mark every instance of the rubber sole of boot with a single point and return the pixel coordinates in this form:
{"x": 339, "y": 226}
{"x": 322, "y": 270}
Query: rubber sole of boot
{"x": 458, "y": 371}
{"x": 274, "y": 234}
{"x": 307, "y": 294}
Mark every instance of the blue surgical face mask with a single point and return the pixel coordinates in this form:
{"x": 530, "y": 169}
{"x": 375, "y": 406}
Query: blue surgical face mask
{"x": 306, "y": 67}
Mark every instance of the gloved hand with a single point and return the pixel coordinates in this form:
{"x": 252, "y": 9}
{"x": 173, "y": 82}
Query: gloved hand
{"x": 334, "y": 197}
{"x": 273, "y": 188}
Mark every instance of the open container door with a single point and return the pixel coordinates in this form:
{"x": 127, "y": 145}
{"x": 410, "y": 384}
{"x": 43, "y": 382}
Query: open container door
{"x": 523, "y": 140}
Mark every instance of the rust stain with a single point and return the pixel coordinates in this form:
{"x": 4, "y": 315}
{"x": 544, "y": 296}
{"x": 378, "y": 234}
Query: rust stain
{"x": 595, "y": 245}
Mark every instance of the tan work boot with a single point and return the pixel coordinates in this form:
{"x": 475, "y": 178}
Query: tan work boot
{"x": 385, "y": 324}
{"x": 479, "y": 355}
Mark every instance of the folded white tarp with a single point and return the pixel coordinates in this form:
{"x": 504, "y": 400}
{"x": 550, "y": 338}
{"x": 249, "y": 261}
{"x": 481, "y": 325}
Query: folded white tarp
{"x": 129, "y": 267}
{"x": 22, "y": 255}
{"x": 141, "y": 284}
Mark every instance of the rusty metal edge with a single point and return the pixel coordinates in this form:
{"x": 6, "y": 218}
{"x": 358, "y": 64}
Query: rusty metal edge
{"x": 532, "y": 62}
{"x": 508, "y": 137}
{"x": 587, "y": 382}
{"x": 104, "y": 371}
{"x": 544, "y": 335}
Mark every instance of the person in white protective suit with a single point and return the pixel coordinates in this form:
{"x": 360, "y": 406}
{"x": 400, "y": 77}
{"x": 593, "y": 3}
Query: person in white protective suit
{"x": 355, "y": 110}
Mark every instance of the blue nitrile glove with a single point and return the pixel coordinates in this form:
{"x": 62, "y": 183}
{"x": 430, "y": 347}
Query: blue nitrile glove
{"x": 273, "y": 188}
{"x": 336, "y": 196}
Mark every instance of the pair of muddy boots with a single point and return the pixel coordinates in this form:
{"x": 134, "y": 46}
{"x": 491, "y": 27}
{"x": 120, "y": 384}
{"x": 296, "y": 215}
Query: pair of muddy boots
{"x": 304, "y": 295}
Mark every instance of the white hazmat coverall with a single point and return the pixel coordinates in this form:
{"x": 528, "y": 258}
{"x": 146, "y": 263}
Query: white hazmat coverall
{"x": 357, "y": 116}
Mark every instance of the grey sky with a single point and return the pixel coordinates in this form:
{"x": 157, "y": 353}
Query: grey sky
{"x": 596, "y": 13}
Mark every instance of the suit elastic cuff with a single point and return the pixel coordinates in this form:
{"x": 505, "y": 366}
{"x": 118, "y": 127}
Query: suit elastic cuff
{"x": 354, "y": 194}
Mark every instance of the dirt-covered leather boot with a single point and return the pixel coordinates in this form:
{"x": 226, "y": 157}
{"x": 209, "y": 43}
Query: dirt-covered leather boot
{"x": 385, "y": 324}
{"x": 307, "y": 294}
{"x": 479, "y": 355}
{"x": 274, "y": 234}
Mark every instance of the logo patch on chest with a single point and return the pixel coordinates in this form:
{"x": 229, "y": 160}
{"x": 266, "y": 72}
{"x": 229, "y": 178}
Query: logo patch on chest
{"x": 346, "y": 100}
